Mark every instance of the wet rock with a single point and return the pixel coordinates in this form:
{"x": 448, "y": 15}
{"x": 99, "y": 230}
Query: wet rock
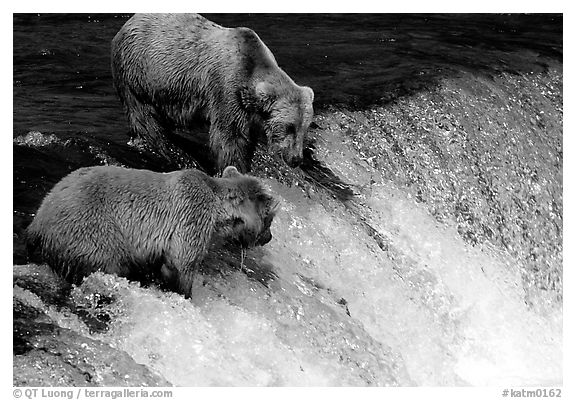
{"x": 47, "y": 354}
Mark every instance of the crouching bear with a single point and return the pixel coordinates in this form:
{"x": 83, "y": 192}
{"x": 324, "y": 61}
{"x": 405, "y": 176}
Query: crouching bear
{"x": 137, "y": 223}
{"x": 174, "y": 71}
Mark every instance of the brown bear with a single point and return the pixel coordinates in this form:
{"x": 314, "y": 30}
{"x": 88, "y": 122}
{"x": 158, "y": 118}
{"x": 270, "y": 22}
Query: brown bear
{"x": 137, "y": 223}
{"x": 175, "y": 71}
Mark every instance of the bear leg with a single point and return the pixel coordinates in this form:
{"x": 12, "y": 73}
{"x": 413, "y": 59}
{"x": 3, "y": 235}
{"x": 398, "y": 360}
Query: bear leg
{"x": 181, "y": 262}
{"x": 179, "y": 280}
{"x": 186, "y": 280}
{"x": 150, "y": 134}
{"x": 229, "y": 151}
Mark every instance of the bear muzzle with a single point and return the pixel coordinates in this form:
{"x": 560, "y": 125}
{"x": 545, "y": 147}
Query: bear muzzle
{"x": 251, "y": 239}
{"x": 289, "y": 151}
{"x": 294, "y": 161}
{"x": 264, "y": 238}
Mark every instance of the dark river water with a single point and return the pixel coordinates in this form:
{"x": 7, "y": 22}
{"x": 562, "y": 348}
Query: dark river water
{"x": 445, "y": 268}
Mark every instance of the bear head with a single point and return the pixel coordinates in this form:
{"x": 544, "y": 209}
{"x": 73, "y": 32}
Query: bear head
{"x": 286, "y": 114}
{"x": 248, "y": 210}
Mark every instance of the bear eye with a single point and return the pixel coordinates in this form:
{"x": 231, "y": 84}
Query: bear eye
{"x": 291, "y": 129}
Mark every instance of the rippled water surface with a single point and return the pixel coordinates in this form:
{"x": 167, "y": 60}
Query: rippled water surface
{"x": 440, "y": 265}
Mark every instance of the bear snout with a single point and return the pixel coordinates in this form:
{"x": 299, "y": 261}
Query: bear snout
{"x": 264, "y": 238}
{"x": 295, "y": 161}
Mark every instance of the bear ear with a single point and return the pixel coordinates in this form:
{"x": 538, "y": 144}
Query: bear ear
{"x": 230, "y": 172}
{"x": 308, "y": 93}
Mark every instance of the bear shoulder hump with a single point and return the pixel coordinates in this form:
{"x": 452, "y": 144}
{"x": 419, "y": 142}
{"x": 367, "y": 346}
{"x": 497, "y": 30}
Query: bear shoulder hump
{"x": 248, "y": 40}
{"x": 81, "y": 174}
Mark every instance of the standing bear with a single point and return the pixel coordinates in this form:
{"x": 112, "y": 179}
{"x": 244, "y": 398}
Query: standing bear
{"x": 139, "y": 223}
{"x": 176, "y": 71}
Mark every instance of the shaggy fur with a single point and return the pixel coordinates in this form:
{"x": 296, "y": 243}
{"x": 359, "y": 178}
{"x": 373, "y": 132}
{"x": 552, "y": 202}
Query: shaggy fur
{"x": 173, "y": 70}
{"x": 137, "y": 223}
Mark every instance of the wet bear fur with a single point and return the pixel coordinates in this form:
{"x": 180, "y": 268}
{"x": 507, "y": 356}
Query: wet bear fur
{"x": 137, "y": 223}
{"x": 174, "y": 71}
